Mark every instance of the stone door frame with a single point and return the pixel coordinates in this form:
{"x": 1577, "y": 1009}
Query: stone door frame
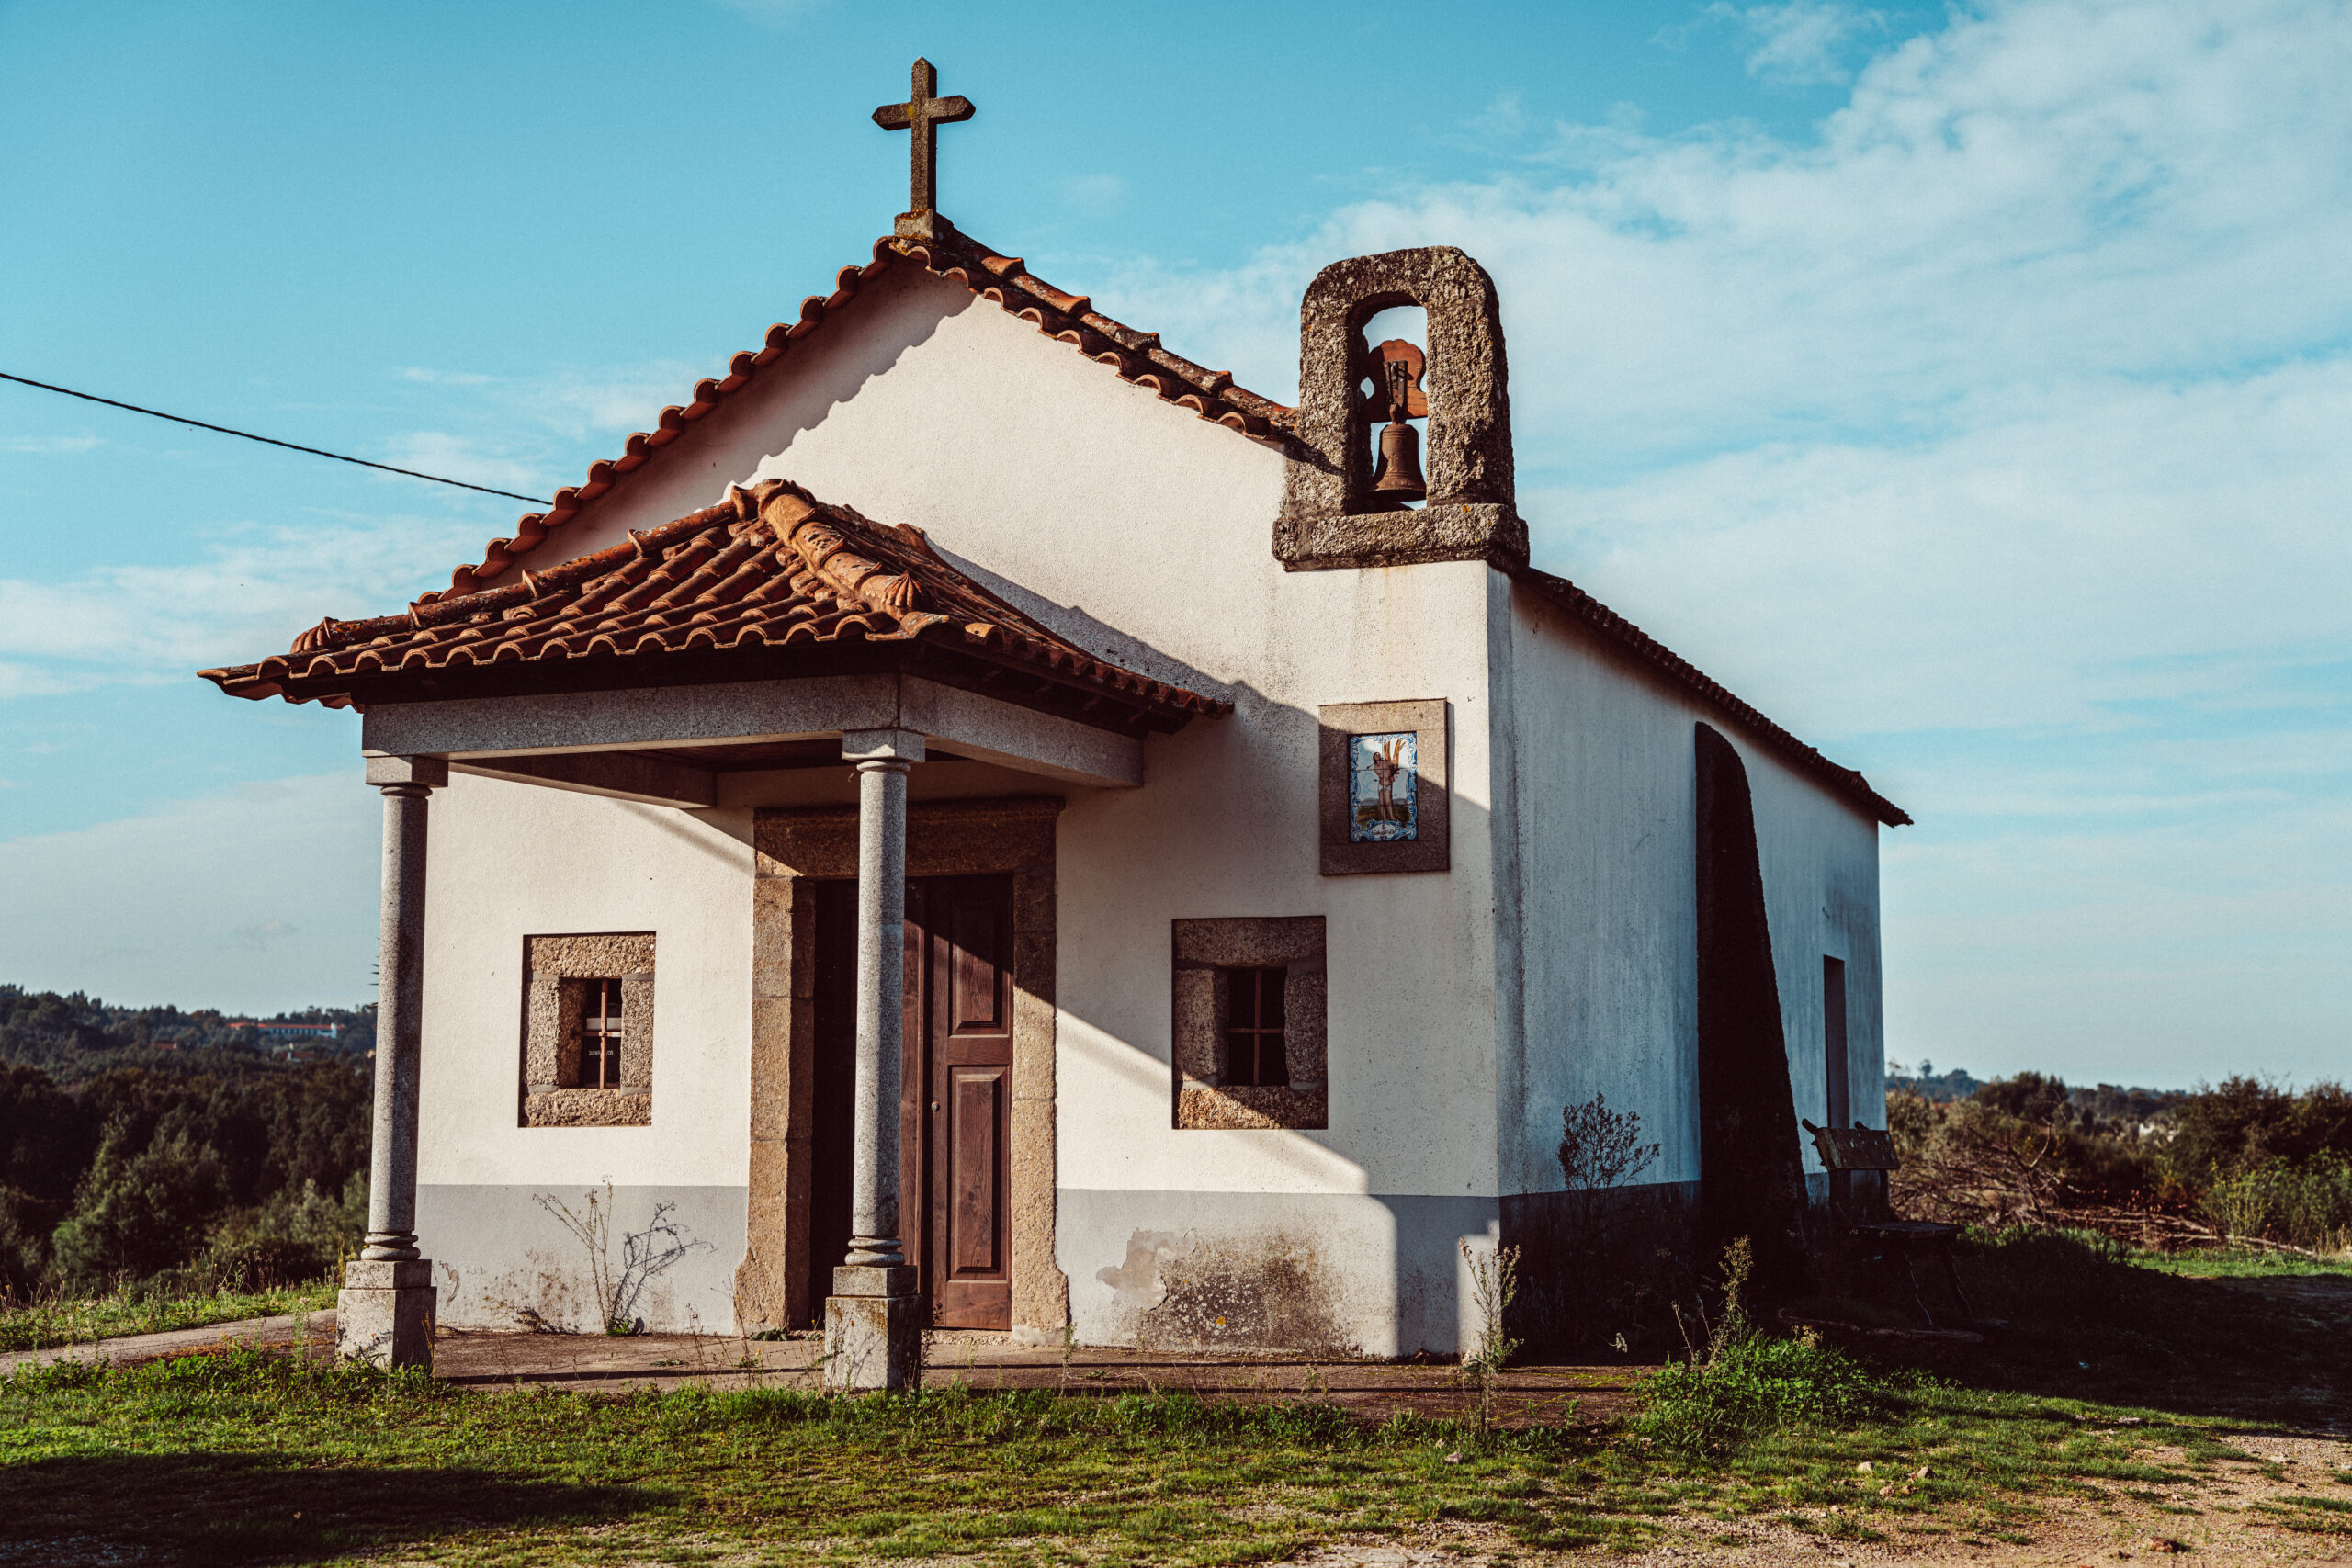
{"x": 794, "y": 847}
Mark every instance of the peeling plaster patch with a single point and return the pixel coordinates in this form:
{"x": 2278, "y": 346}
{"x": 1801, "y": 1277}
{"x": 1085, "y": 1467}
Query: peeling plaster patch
{"x": 1135, "y": 1285}
{"x": 1262, "y": 1292}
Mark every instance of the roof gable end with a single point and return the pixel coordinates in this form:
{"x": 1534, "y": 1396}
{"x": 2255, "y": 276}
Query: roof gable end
{"x": 1134, "y": 356}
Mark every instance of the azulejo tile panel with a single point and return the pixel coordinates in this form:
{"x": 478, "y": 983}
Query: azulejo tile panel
{"x": 1383, "y": 773}
{"x": 1383, "y": 787}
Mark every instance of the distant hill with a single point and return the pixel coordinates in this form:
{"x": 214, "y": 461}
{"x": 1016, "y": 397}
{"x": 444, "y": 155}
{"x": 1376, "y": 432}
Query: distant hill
{"x": 74, "y": 1038}
{"x": 2107, "y": 1101}
{"x": 145, "y": 1143}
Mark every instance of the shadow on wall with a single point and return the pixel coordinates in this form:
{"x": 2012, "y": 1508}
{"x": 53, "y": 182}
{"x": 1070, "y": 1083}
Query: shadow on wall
{"x": 1751, "y": 1172}
{"x": 843, "y": 362}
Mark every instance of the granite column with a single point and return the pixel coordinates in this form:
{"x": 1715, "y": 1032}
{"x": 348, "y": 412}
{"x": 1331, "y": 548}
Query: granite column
{"x": 873, "y": 1330}
{"x": 385, "y": 1312}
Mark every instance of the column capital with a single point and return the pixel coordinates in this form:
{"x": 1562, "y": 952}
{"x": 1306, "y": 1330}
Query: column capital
{"x": 881, "y": 746}
{"x": 384, "y": 773}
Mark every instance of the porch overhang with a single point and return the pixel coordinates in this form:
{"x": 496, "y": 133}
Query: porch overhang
{"x": 610, "y": 742}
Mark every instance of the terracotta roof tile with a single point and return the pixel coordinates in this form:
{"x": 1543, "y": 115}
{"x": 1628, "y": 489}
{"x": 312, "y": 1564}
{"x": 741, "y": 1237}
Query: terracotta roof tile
{"x": 769, "y": 567}
{"x": 1646, "y": 649}
{"x": 1005, "y": 281}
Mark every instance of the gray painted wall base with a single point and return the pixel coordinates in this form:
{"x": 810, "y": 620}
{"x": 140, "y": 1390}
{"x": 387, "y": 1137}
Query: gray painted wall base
{"x": 505, "y": 1260}
{"x": 1335, "y": 1274}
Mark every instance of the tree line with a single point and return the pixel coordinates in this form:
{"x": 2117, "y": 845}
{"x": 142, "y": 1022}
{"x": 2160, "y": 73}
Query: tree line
{"x": 156, "y": 1147}
{"x": 2247, "y": 1161}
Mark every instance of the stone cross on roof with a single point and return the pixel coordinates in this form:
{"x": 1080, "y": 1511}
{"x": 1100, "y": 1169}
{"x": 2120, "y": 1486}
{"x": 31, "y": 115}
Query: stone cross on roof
{"x": 924, "y": 114}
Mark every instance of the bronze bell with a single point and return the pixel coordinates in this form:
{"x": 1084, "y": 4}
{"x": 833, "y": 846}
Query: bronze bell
{"x": 1400, "y": 464}
{"x": 1399, "y": 480}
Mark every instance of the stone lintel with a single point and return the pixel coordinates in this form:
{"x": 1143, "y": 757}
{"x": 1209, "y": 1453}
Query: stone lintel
{"x": 493, "y": 730}
{"x": 881, "y": 745}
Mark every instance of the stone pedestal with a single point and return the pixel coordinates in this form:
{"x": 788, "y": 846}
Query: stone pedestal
{"x": 384, "y": 1315}
{"x": 873, "y": 1331}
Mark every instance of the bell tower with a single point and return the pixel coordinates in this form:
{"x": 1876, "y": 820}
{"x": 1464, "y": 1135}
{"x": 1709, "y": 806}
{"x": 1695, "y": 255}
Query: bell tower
{"x": 1336, "y": 510}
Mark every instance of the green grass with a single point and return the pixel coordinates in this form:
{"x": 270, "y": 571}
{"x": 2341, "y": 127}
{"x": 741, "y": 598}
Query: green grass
{"x": 2114, "y": 1383}
{"x": 2238, "y": 1263}
{"x": 241, "y": 1458}
{"x": 69, "y": 1321}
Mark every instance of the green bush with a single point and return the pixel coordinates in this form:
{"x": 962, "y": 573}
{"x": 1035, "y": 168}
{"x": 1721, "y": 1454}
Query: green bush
{"x": 1747, "y": 1382}
{"x": 1756, "y": 1384}
{"x": 2308, "y": 1206}
{"x": 139, "y": 1214}
{"x": 2246, "y": 1122}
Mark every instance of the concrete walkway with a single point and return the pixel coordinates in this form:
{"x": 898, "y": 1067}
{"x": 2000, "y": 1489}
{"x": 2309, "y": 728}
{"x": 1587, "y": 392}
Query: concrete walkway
{"x": 279, "y": 1333}
{"x": 992, "y": 1361}
{"x": 495, "y": 1363}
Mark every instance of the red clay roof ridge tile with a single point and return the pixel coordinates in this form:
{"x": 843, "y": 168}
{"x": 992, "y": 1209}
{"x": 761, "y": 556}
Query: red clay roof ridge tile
{"x": 1005, "y": 281}
{"x": 1646, "y": 649}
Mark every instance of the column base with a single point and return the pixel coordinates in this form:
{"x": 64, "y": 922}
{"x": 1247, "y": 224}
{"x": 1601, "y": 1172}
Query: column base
{"x": 873, "y": 1332}
{"x": 384, "y": 1313}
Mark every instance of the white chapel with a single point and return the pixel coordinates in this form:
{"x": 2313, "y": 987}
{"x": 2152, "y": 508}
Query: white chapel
{"x": 973, "y": 819}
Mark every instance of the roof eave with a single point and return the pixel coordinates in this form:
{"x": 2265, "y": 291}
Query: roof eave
{"x": 1003, "y": 674}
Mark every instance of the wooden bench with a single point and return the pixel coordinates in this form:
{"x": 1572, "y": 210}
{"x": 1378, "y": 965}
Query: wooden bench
{"x": 1871, "y": 1223}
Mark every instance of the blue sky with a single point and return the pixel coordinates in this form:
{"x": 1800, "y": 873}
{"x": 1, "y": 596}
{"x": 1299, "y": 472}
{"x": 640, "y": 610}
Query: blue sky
{"x": 1966, "y": 386}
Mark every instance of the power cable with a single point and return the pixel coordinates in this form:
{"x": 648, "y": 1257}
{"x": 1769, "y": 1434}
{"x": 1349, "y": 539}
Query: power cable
{"x": 269, "y": 441}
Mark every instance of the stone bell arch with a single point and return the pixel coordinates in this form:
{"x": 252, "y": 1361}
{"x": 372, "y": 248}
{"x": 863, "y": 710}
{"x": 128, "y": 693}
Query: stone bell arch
{"x": 1331, "y": 517}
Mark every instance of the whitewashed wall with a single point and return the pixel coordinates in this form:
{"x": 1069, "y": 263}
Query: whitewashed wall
{"x": 1603, "y": 770}
{"x": 507, "y": 861}
{"x": 1094, "y": 506}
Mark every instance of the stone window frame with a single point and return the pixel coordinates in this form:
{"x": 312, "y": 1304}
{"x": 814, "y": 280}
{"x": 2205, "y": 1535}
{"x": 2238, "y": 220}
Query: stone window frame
{"x": 555, "y": 969}
{"x": 1201, "y": 951}
{"x": 1429, "y": 720}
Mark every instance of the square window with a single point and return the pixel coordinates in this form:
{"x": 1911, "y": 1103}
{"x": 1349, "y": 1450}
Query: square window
{"x": 1253, "y": 1026}
{"x": 588, "y": 1030}
{"x": 1247, "y": 999}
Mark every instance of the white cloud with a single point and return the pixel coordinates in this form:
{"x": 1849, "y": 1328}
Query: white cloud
{"x": 608, "y": 402}
{"x": 1801, "y": 42}
{"x": 460, "y": 457}
{"x": 288, "y": 869}
{"x": 251, "y": 592}
{"x": 573, "y": 403}
{"x": 1995, "y": 430}
{"x": 48, "y": 446}
{"x": 1093, "y": 192}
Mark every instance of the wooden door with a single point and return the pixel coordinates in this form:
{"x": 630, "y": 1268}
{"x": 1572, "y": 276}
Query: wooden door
{"x": 956, "y": 1113}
